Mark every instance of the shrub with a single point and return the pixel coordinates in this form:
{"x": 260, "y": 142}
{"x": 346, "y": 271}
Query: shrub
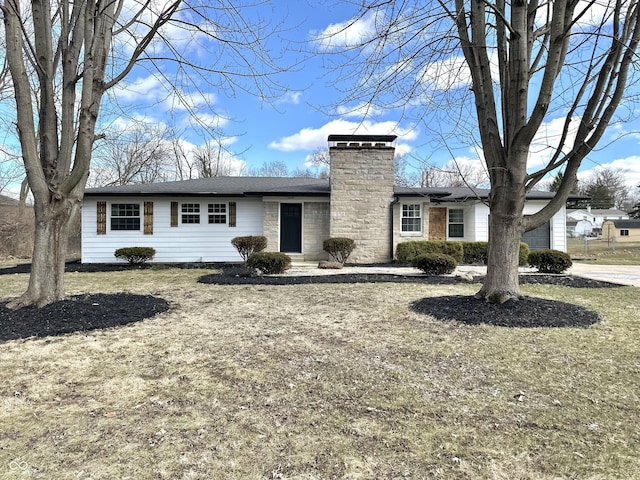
{"x": 550, "y": 261}
{"x": 407, "y": 251}
{"x": 474, "y": 252}
{"x": 339, "y": 248}
{"x": 523, "y": 257}
{"x": 435, "y": 263}
{"x": 269, "y": 262}
{"x": 247, "y": 246}
{"x": 135, "y": 255}
{"x": 477, "y": 252}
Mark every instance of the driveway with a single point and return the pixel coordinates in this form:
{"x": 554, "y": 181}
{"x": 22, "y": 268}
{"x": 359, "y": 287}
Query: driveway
{"x": 622, "y": 274}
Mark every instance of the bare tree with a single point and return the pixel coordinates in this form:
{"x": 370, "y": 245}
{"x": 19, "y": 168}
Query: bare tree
{"x": 511, "y": 67}
{"x": 214, "y": 159}
{"x": 271, "y": 169}
{"x": 138, "y": 154}
{"x": 606, "y": 187}
{"x": 64, "y": 56}
{"x": 454, "y": 174}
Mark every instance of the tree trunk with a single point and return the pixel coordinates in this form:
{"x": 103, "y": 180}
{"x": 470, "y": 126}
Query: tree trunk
{"x": 505, "y": 231}
{"x": 46, "y": 282}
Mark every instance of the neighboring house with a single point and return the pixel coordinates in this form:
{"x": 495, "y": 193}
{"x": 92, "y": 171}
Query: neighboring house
{"x": 580, "y": 228}
{"x": 621, "y": 230}
{"x": 596, "y": 216}
{"x": 195, "y": 220}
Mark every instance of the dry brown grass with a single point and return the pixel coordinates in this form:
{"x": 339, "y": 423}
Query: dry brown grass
{"x": 320, "y": 382}
{"x": 600, "y": 251}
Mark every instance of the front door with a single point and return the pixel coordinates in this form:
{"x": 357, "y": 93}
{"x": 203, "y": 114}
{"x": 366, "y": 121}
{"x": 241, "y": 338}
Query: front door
{"x": 437, "y": 223}
{"x": 291, "y": 227}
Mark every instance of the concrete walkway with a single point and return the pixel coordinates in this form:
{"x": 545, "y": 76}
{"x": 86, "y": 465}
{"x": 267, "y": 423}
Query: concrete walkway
{"x": 621, "y": 274}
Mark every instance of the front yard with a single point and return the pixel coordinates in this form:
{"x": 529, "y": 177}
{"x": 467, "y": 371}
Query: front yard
{"x": 320, "y": 381}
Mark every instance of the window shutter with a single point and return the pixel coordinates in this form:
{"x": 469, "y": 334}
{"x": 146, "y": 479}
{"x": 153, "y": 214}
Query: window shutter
{"x": 174, "y": 214}
{"x": 148, "y": 218}
{"x": 232, "y": 214}
{"x": 101, "y": 210}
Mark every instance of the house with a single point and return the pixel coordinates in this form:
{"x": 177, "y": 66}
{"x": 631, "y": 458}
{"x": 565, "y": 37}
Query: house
{"x": 195, "y": 220}
{"x": 621, "y": 230}
{"x": 596, "y": 216}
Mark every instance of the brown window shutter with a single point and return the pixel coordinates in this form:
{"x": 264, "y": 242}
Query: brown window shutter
{"x": 232, "y": 214}
{"x": 174, "y": 214}
{"x": 148, "y": 218}
{"x": 101, "y": 227}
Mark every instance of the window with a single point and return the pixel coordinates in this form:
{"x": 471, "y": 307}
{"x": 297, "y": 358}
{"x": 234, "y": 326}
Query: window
{"x": 190, "y": 213}
{"x": 125, "y": 216}
{"x": 624, "y": 233}
{"x": 456, "y": 223}
{"x": 218, "y": 213}
{"x": 411, "y": 218}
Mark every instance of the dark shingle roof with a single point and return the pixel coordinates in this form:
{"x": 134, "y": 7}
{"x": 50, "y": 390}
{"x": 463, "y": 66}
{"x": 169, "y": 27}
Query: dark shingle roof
{"x": 222, "y": 186}
{"x": 265, "y": 186}
{"x": 635, "y": 223}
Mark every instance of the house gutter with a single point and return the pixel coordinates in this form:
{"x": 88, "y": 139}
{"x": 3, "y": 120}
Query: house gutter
{"x": 395, "y": 201}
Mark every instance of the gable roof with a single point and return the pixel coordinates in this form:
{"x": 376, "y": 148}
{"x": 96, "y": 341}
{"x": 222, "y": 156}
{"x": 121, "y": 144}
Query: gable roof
{"x": 599, "y": 212}
{"x": 634, "y": 223}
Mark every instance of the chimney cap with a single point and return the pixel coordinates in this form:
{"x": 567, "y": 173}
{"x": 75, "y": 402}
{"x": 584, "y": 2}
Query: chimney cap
{"x": 362, "y": 138}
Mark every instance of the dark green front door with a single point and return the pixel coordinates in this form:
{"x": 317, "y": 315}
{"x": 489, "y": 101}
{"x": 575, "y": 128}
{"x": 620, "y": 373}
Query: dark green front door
{"x": 291, "y": 227}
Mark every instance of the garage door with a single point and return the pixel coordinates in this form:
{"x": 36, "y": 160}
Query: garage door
{"x": 539, "y": 238}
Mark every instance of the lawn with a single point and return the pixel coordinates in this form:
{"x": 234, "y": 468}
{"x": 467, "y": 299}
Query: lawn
{"x": 601, "y": 252}
{"x": 320, "y": 382}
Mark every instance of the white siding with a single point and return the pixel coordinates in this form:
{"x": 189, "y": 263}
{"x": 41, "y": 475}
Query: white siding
{"x": 558, "y": 224}
{"x": 201, "y": 242}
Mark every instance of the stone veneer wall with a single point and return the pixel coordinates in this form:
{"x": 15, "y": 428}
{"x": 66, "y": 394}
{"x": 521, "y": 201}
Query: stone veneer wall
{"x": 271, "y": 229}
{"x": 361, "y": 195}
{"x": 397, "y": 220}
{"x": 315, "y": 229}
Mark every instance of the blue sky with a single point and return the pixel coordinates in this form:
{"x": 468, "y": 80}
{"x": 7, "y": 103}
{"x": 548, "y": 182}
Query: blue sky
{"x": 297, "y": 122}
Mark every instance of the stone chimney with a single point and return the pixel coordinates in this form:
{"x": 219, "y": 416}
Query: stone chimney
{"x": 362, "y": 176}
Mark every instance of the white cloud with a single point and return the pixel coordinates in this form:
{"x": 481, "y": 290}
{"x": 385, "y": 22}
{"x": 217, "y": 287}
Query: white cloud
{"x": 363, "y": 110}
{"x": 148, "y": 89}
{"x": 314, "y": 138}
{"x": 629, "y": 165}
{"x": 290, "y": 98}
{"x": 349, "y": 33}
{"x": 545, "y": 142}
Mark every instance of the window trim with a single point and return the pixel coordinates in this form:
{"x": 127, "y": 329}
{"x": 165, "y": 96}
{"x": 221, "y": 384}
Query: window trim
{"x": 624, "y": 232}
{"x": 450, "y": 223}
{"x": 113, "y": 217}
{"x": 190, "y": 211}
{"x": 212, "y": 213}
{"x": 410, "y": 208}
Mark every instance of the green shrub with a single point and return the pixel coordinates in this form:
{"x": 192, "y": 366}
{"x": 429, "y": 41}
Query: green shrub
{"x": 474, "y": 252}
{"x": 523, "y": 257}
{"x": 269, "y": 263}
{"x": 407, "y": 251}
{"x": 135, "y": 255}
{"x": 477, "y": 252}
{"x": 247, "y": 246}
{"x": 435, "y": 263}
{"x": 339, "y": 248}
{"x": 550, "y": 261}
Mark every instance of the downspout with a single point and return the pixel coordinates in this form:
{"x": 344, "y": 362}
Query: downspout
{"x": 393, "y": 204}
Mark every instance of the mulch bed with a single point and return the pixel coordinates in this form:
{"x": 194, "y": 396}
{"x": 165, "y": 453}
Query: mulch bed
{"x": 100, "y": 311}
{"x": 77, "y": 314}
